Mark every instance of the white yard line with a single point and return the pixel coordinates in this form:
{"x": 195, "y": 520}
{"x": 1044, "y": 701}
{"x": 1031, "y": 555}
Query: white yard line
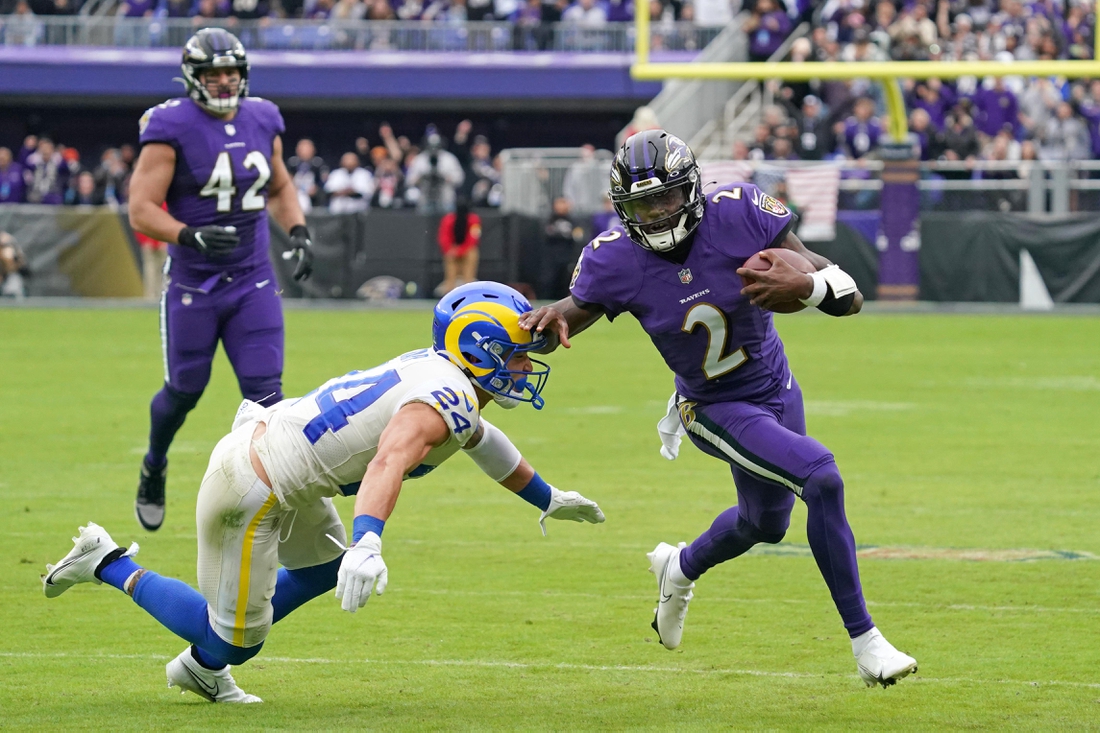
{"x": 550, "y": 666}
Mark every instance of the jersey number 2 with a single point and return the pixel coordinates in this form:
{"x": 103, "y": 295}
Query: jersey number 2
{"x": 335, "y": 413}
{"x": 221, "y": 182}
{"x": 712, "y": 319}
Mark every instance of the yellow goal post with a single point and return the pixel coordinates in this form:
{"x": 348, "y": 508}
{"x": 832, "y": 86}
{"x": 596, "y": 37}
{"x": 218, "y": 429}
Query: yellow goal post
{"x": 887, "y": 72}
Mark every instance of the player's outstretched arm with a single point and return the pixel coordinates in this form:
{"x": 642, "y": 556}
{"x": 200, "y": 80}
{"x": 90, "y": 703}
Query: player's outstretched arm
{"x": 282, "y": 201}
{"x": 558, "y": 321}
{"x": 501, "y": 461}
{"x": 410, "y": 435}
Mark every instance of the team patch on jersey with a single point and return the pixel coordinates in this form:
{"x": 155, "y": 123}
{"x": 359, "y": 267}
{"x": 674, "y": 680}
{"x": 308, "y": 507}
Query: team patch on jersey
{"x": 144, "y": 121}
{"x": 685, "y": 276}
{"x": 687, "y": 413}
{"x": 576, "y": 271}
{"x": 230, "y": 130}
{"x": 773, "y": 206}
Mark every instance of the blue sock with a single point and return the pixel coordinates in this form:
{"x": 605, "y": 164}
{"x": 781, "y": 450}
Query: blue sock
{"x": 117, "y": 572}
{"x": 295, "y": 588}
{"x": 182, "y": 610}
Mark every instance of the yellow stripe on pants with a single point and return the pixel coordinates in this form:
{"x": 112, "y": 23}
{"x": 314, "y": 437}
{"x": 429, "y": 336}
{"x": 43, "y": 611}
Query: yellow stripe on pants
{"x": 246, "y": 570}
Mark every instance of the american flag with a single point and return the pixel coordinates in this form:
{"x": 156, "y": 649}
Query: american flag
{"x": 813, "y": 190}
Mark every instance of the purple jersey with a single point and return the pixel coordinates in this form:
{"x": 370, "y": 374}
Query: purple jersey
{"x": 223, "y": 168}
{"x": 720, "y": 347}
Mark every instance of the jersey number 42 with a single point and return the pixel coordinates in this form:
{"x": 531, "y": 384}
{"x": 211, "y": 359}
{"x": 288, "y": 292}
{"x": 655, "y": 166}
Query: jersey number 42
{"x": 221, "y": 183}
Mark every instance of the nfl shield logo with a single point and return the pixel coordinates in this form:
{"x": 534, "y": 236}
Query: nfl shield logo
{"x": 230, "y": 130}
{"x": 685, "y": 276}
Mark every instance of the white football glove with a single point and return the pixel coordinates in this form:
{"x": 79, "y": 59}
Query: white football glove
{"x": 360, "y": 569}
{"x": 570, "y": 505}
{"x": 671, "y": 430}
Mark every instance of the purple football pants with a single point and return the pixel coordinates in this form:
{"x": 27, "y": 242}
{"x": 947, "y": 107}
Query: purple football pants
{"x": 773, "y": 461}
{"x": 243, "y": 311}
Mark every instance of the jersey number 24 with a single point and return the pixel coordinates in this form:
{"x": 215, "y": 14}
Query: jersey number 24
{"x": 221, "y": 182}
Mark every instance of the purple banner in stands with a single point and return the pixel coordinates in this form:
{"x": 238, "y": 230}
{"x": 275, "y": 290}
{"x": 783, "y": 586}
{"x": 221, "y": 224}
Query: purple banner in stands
{"x": 120, "y": 72}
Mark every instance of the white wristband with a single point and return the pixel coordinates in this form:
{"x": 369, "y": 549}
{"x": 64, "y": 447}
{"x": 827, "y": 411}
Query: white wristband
{"x": 821, "y": 289}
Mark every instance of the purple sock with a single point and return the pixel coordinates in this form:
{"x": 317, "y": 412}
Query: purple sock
{"x": 729, "y": 535}
{"x": 834, "y": 546}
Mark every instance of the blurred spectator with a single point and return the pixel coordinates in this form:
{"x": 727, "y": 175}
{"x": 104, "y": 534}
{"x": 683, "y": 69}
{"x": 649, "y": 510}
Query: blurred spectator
{"x": 436, "y": 173}
{"x": 479, "y": 9}
{"x": 760, "y": 148}
{"x": 459, "y": 235}
{"x": 13, "y": 265}
{"x": 389, "y": 184}
{"x": 21, "y": 28}
{"x": 996, "y": 108}
{"x": 349, "y": 186}
{"x": 13, "y": 189}
{"x": 935, "y": 98}
{"x": 644, "y": 119}
{"x": 768, "y": 27}
{"x": 481, "y": 185}
{"x": 249, "y": 9}
{"x": 585, "y": 181}
{"x": 815, "y": 138}
{"x": 585, "y": 13}
{"x": 110, "y": 176}
{"x": 564, "y": 239}
{"x": 1065, "y": 136}
{"x": 922, "y": 136}
{"x": 1036, "y": 105}
{"x": 960, "y": 137}
{"x": 83, "y": 192}
{"x": 861, "y": 48}
{"x": 309, "y": 173}
{"x": 862, "y": 130}
{"x": 207, "y": 10}
{"x": 47, "y": 175}
{"x": 30, "y": 144}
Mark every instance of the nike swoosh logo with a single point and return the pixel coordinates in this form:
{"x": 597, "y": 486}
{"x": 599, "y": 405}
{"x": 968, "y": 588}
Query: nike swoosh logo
{"x": 666, "y": 599}
{"x": 59, "y": 568}
{"x": 211, "y": 690}
{"x": 261, "y": 284}
{"x": 789, "y": 378}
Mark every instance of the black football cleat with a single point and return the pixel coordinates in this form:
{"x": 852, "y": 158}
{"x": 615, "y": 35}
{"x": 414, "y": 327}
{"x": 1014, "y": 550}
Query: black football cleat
{"x": 149, "y": 506}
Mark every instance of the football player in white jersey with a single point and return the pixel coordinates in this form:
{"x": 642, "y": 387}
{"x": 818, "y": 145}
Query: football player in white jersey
{"x": 266, "y": 498}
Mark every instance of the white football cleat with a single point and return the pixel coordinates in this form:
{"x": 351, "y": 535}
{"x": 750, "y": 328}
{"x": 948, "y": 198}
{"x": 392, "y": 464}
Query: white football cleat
{"x": 80, "y": 564}
{"x": 215, "y": 685}
{"x": 881, "y": 664}
{"x": 672, "y": 607}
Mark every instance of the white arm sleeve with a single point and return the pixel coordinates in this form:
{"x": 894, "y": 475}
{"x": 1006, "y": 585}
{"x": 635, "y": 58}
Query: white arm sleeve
{"x": 494, "y": 454}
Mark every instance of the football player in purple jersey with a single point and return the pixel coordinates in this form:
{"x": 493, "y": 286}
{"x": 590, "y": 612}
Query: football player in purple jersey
{"x": 675, "y": 263}
{"x": 215, "y": 157}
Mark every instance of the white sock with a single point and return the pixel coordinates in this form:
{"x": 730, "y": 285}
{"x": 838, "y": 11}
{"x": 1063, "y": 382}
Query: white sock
{"x": 676, "y": 574}
{"x": 859, "y": 643}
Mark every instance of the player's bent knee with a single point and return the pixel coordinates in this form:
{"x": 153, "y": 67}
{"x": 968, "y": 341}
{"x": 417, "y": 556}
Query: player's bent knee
{"x": 181, "y": 402}
{"x": 824, "y": 482}
{"x": 265, "y": 390}
{"x": 770, "y": 537}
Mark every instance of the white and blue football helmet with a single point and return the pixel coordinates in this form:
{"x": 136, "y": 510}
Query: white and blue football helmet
{"x": 476, "y": 326}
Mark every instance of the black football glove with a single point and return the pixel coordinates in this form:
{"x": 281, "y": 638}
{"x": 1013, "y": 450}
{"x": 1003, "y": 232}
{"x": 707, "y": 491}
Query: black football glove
{"x": 211, "y": 241}
{"x": 301, "y": 246}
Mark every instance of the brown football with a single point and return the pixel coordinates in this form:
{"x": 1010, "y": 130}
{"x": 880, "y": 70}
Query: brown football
{"x": 792, "y": 258}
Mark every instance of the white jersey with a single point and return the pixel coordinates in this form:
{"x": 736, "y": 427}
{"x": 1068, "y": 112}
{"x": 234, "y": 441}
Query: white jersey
{"x": 319, "y": 445}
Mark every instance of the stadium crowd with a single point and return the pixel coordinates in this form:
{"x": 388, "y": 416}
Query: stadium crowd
{"x": 395, "y": 174}
{"x": 971, "y": 119}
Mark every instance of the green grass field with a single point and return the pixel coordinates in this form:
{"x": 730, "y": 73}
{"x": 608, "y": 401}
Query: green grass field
{"x": 953, "y": 433}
